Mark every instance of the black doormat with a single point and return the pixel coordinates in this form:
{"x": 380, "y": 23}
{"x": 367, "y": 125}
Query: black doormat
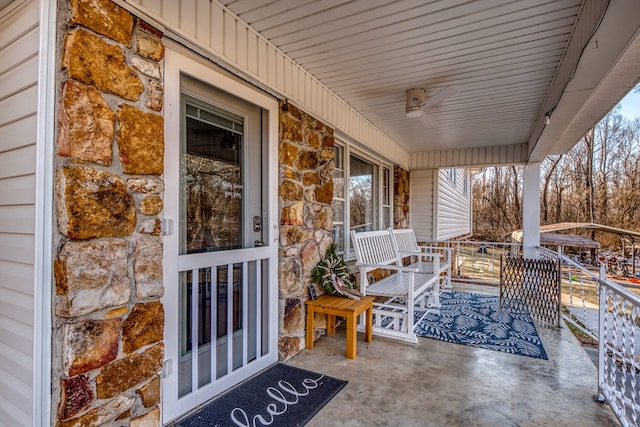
{"x": 281, "y": 395}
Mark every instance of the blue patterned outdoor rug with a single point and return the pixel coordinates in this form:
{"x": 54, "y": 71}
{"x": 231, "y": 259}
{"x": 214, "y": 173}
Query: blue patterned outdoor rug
{"x": 478, "y": 321}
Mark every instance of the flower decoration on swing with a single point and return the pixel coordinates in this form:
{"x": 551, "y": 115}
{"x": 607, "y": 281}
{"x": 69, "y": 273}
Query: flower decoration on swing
{"x": 333, "y": 275}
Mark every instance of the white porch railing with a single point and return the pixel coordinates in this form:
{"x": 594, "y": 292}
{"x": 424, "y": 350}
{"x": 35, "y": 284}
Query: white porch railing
{"x": 603, "y": 310}
{"x": 479, "y": 262}
{"x": 610, "y": 314}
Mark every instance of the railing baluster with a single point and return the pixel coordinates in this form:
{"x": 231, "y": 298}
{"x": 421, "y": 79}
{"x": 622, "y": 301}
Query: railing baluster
{"x": 616, "y": 333}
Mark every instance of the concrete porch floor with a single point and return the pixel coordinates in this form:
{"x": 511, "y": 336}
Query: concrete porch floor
{"x": 434, "y": 383}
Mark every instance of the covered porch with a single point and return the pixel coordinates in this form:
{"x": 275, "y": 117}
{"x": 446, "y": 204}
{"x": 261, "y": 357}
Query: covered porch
{"x": 436, "y": 383}
{"x": 401, "y": 87}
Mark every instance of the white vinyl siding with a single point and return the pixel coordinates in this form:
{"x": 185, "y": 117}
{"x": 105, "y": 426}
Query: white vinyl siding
{"x": 219, "y": 34}
{"x": 19, "y": 35}
{"x": 422, "y": 203}
{"x": 454, "y": 206}
{"x": 440, "y": 208}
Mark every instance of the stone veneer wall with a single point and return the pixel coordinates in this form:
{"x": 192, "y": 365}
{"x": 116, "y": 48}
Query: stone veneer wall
{"x": 306, "y": 161}
{"x": 108, "y": 339}
{"x": 401, "y": 181}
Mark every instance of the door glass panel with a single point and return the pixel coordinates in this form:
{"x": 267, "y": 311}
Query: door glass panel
{"x": 212, "y": 181}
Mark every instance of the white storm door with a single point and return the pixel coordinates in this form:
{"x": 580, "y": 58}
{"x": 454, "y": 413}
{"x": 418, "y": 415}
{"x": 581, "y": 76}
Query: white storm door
{"x": 220, "y": 301}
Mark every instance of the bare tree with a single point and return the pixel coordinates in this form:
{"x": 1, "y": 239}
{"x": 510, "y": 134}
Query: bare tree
{"x": 596, "y": 181}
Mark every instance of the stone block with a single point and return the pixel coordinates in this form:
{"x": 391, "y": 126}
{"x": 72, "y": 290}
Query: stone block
{"x": 150, "y": 185}
{"x": 146, "y": 67}
{"x": 324, "y": 239}
{"x": 324, "y": 193}
{"x": 324, "y": 219}
{"x": 293, "y": 320}
{"x": 93, "y": 203}
{"x": 401, "y": 197}
{"x": 140, "y": 141}
{"x": 76, "y": 395}
{"x": 310, "y": 178}
{"x": 122, "y": 374}
{"x": 90, "y": 344}
{"x": 102, "y": 415}
{"x": 288, "y": 347}
{"x": 289, "y": 173}
{"x": 288, "y": 153}
{"x": 147, "y": 267}
{"x": 320, "y": 320}
{"x": 290, "y": 251}
{"x": 307, "y": 160}
{"x": 91, "y": 60}
{"x": 150, "y": 205}
{"x": 290, "y": 276}
{"x": 155, "y": 95}
{"x": 116, "y": 312}
{"x": 104, "y": 17}
{"x": 290, "y": 128}
{"x": 327, "y": 153}
{"x": 312, "y": 139}
{"x": 150, "y": 419}
{"x": 86, "y": 124}
{"x": 309, "y": 256}
{"x": 328, "y": 141}
{"x": 151, "y": 49}
{"x": 325, "y": 169}
{"x": 290, "y": 191}
{"x": 294, "y": 235}
{"x": 150, "y": 393}
{"x": 143, "y": 326}
{"x": 150, "y": 226}
{"x": 292, "y": 214}
{"x": 91, "y": 276}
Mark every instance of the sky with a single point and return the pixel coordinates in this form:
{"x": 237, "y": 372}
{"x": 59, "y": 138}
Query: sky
{"x": 631, "y": 105}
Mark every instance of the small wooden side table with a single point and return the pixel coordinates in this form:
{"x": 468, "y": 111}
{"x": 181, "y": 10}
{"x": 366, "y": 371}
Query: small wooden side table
{"x": 348, "y": 308}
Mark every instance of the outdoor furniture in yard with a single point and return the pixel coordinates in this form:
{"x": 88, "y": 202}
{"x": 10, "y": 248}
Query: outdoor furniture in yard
{"x": 350, "y": 309}
{"x": 400, "y": 294}
{"x": 406, "y": 245}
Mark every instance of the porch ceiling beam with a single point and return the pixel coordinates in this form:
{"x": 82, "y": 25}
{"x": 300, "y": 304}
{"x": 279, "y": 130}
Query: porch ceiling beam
{"x": 470, "y": 157}
{"x": 587, "y": 84}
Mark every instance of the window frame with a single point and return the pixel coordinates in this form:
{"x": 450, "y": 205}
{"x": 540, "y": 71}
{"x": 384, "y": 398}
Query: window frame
{"x": 384, "y": 193}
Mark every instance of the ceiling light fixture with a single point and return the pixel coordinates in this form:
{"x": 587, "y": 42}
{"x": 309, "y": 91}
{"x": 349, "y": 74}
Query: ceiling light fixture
{"x": 414, "y": 112}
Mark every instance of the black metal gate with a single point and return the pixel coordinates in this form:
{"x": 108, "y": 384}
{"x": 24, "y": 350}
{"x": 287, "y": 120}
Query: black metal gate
{"x": 532, "y": 285}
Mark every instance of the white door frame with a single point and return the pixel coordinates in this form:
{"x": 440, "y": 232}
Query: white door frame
{"x": 177, "y": 65}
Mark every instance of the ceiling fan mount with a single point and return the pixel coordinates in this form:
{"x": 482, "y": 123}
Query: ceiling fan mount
{"x": 417, "y": 100}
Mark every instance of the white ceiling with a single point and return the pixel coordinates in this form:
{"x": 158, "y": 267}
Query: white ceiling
{"x": 501, "y": 56}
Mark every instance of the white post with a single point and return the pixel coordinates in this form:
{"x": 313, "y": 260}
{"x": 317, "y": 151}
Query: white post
{"x": 531, "y": 210}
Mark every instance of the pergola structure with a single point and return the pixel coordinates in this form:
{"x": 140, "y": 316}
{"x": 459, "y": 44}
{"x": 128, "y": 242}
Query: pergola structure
{"x": 549, "y": 236}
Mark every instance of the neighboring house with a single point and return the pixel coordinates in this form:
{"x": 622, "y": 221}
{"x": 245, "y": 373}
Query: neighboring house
{"x": 169, "y": 176}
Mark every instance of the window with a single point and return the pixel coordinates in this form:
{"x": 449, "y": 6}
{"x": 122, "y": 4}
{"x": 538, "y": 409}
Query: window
{"x": 387, "y": 217}
{"x": 466, "y": 182}
{"x": 451, "y": 174}
{"x": 338, "y": 198}
{"x": 361, "y": 195}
